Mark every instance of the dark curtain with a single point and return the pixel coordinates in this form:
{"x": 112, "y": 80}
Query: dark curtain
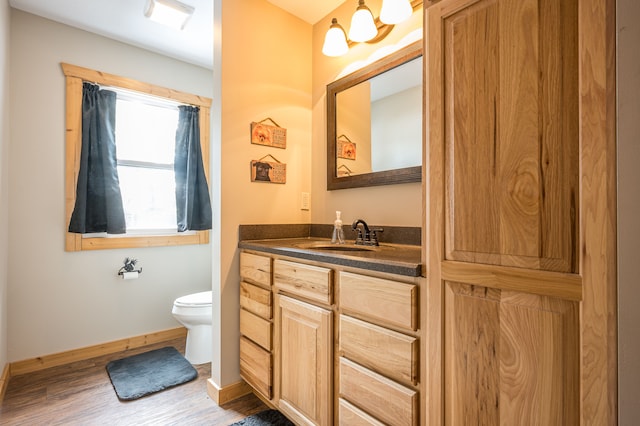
{"x": 193, "y": 205}
{"x": 98, "y": 205}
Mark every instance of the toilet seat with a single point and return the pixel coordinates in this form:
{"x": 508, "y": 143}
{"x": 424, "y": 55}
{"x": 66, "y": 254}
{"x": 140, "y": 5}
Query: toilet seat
{"x": 194, "y": 300}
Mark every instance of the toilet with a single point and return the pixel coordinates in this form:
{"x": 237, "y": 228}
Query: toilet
{"x": 195, "y": 312}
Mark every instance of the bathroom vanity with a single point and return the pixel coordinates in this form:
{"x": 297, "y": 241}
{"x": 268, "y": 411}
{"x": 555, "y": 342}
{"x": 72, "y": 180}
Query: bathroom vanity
{"x": 331, "y": 334}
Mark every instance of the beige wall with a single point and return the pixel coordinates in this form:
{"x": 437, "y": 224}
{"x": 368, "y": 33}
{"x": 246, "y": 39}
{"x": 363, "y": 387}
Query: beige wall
{"x": 61, "y": 301}
{"x": 265, "y": 72}
{"x": 383, "y": 205}
{"x": 628, "y": 70}
{"x": 267, "y": 63}
{"x": 4, "y": 175}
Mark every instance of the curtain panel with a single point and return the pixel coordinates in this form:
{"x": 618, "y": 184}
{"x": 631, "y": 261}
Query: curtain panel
{"x": 193, "y": 204}
{"x": 98, "y": 205}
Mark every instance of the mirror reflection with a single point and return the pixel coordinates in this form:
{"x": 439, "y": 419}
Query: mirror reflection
{"x": 374, "y": 123}
{"x": 379, "y": 122}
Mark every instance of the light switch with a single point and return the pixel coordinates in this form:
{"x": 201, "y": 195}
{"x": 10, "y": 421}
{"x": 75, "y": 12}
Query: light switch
{"x": 305, "y": 201}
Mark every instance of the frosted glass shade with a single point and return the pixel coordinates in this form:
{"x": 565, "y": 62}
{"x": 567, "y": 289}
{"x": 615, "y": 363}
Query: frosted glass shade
{"x": 335, "y": 41}
{"x": 395, "y": 11}
{"x": 363, "y": 28}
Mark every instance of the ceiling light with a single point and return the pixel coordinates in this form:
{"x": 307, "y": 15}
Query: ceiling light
{"x": 395, "y": 11}
{"x": 171, "y": 13}
{"x": 363, "y": 28}
{"x": 335, "y": 41}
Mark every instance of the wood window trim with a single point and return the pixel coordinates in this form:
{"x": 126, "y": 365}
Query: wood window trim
{"x": 75, "y": 76}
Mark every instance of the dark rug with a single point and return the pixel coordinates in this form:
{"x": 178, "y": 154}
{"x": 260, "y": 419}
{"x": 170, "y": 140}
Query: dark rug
{"x": 265, "y": 418}
{"x": 139, "y": 375}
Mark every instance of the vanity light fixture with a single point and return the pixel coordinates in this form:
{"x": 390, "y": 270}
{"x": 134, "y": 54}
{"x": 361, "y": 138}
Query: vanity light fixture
{"x": 395, "y": 11}
{"x": 171, "y": 13}
{"x": 364, "y": 28}
{"x": 335, "y": 41}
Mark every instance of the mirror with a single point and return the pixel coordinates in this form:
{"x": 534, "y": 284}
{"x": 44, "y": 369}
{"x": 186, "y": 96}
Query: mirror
{"x": 374, "y": 123}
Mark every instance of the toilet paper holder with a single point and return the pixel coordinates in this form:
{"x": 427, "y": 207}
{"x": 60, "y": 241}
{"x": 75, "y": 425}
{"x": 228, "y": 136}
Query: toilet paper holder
{"x": 129, "y": 266}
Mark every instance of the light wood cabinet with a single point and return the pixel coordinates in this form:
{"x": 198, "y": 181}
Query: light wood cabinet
{"x": 307, "y": 281}
{"x": 511, "y": 131}
{"x": 256, "y": 323}
{"x": 353, "y": 416}
{"x": 369, "y": 374}
{"x": 379, "y": 350}
{"x": 389, "y": 352}
{"x": 519, "y": 299}
{"x": 380, "y": 299}
{"x": 256, "y": 268}
{"x": 256, "y": 367}
{"x": 306, "y": 360}
{"x": 377, "y": 396}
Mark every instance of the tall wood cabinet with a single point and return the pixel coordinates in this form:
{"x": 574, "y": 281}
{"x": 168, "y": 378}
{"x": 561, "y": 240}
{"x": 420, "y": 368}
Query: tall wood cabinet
{"x": 519, "y": 292}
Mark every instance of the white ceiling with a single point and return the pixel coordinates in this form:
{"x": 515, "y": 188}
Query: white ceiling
{"x": 124, "y": 20}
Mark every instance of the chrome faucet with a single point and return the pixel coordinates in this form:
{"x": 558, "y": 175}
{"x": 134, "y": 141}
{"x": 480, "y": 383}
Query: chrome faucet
{"x": 365, "y": 236}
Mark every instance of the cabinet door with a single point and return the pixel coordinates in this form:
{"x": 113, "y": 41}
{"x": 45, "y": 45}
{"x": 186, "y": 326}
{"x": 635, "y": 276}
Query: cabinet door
{"x": 503, "y": 192}
{"x": 306, "y": 347}
{"x": 511, "y": 132}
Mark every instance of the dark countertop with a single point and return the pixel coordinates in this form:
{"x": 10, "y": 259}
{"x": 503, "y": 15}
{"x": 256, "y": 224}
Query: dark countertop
{"x": 397, "y": 259}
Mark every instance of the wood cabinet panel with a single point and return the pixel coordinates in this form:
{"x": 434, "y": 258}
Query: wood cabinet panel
{"x": 381, "y": 300}
{"x": 255, "y": 268}
{"x": 511, "y": 132}
{"x": 311, "y": 282}
{"x": 391, "y": 353}
{"x": 306, "y": 348}
{"x": 257, "y": 329}
{"x": 350, "y": 415}
{"x": 256, "y": 367}
{"x": 510, "y": 356}
{"x": 385, "y": 399}
{"x": 256, "y": 300}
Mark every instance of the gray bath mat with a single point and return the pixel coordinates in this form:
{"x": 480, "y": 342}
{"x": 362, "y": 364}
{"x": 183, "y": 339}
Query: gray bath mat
{"x": 265, "y": 418}
{"x": 139, "y": 375}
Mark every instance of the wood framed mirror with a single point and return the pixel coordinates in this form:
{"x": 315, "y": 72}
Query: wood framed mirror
{"x": 374, "y": 123}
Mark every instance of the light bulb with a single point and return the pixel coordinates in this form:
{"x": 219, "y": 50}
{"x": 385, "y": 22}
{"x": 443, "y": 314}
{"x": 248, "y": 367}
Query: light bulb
{"x": 363, "y": 28}
{"x": 395, "y": 11}
{"x": 335, "y": 41}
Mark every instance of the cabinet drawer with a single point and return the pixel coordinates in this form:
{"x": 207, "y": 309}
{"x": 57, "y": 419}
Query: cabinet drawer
{"x": 350, "y": 415}
{"x": 256, "y": 367}
{"x": 377, "y": 395}
{"x": 256, "y": 299}
{"x": 255, "y": 268}
{"x": 382, "y": 300}
{"x": 256, "y": 329}
{"x": 311, "y": 282}
{"x": 390, "y": 353}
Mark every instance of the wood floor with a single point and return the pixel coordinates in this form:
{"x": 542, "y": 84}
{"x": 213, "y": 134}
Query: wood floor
{"x": 81, "y": 394}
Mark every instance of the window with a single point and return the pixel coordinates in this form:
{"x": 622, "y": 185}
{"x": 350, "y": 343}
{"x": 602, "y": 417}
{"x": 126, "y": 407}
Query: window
{"x": 146, "y": 144}
{"x": 145, "y": 159}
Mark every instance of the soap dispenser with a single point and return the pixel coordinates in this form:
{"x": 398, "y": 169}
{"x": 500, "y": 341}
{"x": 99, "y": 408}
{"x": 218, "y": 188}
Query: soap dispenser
{"x": 338, "y": 233}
